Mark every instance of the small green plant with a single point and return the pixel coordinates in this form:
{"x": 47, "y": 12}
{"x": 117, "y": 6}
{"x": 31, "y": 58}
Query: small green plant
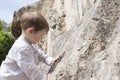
{"x": 6, "y": 41}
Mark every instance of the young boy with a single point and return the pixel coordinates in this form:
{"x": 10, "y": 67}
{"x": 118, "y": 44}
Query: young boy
{"x": 24, "y": 56}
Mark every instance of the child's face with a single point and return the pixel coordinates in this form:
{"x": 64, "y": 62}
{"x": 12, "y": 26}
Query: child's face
{"x": 37, "y": 36}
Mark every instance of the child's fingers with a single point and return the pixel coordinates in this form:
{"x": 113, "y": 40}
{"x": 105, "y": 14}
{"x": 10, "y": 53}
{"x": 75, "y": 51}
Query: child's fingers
{"x": 55, "y": 60}
{"x": 49, "y": 76}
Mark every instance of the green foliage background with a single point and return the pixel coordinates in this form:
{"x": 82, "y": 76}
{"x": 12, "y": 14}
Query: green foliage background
{"x": 6, "y": 41}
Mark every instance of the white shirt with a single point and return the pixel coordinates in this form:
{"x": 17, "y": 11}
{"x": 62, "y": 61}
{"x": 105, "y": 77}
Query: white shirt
{"x": 22, "y": 60}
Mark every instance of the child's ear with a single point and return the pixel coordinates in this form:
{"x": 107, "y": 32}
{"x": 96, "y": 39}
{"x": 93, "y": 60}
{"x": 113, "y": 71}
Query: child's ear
{"x": 30, "y": 30}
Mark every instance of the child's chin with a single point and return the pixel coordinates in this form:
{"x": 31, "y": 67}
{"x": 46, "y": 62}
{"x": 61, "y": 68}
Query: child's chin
{"x": 34, "y": 42}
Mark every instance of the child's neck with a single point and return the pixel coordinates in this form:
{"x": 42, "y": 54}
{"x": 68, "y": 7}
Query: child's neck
{"x": 26, "y": 38}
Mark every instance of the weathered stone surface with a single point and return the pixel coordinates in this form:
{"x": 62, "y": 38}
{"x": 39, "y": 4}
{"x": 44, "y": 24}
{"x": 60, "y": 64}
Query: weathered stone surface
{"x": 88, "y": 32}
{"x": 92, "y": 49}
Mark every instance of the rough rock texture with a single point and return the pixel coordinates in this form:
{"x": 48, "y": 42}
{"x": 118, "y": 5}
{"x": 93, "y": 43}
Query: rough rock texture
{"x": 87, "y": 31}
{"x": 92, "y": 46}
{"x": 64, "y": 16}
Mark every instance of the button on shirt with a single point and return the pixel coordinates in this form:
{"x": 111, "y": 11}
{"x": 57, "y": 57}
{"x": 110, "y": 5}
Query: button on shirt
{"x": 21, "y": 63}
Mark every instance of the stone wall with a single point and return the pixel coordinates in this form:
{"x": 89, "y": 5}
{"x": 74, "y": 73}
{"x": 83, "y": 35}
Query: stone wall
{"x": 92, "y": 47}
{"x": 87, "y": 31}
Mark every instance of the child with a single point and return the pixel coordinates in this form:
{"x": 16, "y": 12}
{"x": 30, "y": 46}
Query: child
{"x": 24, "y": 56}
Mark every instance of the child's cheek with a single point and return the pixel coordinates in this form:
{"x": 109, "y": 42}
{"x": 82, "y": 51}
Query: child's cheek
{"x": 39, "y": 39}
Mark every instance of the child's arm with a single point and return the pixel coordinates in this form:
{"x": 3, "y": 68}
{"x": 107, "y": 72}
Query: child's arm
{"x": 47, "y": 59}
{"x": 25, "y": 61}
{"x": 42, "y": 57}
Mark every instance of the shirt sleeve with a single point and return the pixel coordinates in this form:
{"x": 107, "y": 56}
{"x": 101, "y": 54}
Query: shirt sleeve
{"x": 25, "y": 61}
{"x": 43, "y": 57}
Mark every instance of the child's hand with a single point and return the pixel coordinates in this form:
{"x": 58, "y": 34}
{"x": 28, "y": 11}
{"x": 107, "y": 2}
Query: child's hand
{"x": 58, "y": 59}
{"x": 49, "y": 76}
{"x": 55, "y": 60}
